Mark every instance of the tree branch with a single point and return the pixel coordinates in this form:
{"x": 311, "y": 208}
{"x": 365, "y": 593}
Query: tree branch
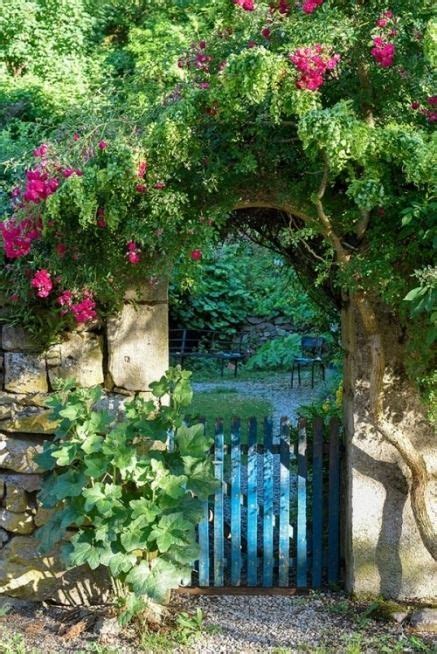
{"x": 419, "y": 481}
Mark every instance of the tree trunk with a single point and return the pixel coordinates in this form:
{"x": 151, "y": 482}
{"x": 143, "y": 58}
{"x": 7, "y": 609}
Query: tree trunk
{"x": 391, "y": 543}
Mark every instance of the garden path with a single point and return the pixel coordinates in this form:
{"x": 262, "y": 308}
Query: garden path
{"x": 285, "y": 400}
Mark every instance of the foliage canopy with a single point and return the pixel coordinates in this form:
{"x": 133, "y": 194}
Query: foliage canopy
{"x": 185, "y": 112}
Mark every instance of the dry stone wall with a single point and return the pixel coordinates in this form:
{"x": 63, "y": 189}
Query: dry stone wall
{"x": 123, "y": 356}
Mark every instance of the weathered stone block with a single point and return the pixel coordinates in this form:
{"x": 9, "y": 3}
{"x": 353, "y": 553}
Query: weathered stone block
{"x": 80, "y": 356}
{"x": 25, "y": 373}
{"x": 31, "y": 420}
{"x": 17, "y": 523}
{"x": 25, "y": 573}
{"x": 16, "y": 499}
{"x": 424, "y": 620}
{"x": 16, "y": 339}
{"x": 153, "y": 291}
{"x": 138, "y": 346}
{"x": 17, "y": 454}
{"x": 29, "y": 483}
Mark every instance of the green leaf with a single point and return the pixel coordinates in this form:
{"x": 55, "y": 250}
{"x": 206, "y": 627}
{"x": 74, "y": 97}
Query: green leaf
{"x": 72, "y": 411}
{"x": 137, "y": 578}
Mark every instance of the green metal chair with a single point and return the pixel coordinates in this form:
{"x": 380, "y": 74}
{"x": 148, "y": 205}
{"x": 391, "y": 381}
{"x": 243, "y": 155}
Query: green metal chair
{"x": 312, "y": 348}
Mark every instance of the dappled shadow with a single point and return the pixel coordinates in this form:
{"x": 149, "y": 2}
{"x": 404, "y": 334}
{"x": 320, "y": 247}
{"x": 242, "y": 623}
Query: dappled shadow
{"x": 386, "y": 553}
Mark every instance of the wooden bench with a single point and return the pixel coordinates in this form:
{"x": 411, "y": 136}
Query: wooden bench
{"x": 205, "y": 344}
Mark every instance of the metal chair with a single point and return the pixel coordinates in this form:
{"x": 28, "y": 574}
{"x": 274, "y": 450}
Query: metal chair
{"x": 312, "y": 348}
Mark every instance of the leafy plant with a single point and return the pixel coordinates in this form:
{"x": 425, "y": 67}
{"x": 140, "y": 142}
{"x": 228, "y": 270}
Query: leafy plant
{"x": 190, "y": 625}
{"x": 131, "y": 489}
{"x": 276, "y": 354}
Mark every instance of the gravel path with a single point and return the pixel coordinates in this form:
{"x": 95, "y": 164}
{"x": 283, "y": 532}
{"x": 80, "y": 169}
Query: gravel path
{"x": 319, "y": 624}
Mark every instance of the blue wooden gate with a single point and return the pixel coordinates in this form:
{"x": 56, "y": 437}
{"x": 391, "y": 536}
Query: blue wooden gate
{"x": 275, "y": 518}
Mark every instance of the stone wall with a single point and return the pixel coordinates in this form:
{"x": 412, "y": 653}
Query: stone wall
{"x": 261, "y": 330}
{"x": 123, "y": 356}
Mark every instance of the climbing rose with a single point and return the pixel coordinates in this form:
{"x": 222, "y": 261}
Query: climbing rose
{"x": 159, "y": 185}
{"x": 432, "y": 100}
{"x": 101, "y": 222}
{"x": 309, "y": 6}
{"x": 142, "y": 169}
{"x": 266, "y": 32}
{"x": 133, "y": 253}
{"x": 141, "y": 188}
{"x": 103, "y": 145}
{"x": 42, "y": 283}
{"x": 383, "y": 52}
{"x": 39, "y": 186}
{"x": 41, "y": 150}
{"x": 84, "y": 311}
{"x": 312, "y": 63}
{"x": 18, "y": 237}
{"x": 196, "y": 255}
{"x": 247, "y": 5}
{"x": 65, "y": 300}
{"x": 61, "y": 249}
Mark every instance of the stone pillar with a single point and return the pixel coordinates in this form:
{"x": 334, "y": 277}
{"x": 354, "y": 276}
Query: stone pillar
{"x": 124, "y": 356}
{"x": 137, "y": 339}
{"x": 384, "y": 552}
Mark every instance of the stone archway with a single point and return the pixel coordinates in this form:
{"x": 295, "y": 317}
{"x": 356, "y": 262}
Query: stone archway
{"x": 385, "y": 552}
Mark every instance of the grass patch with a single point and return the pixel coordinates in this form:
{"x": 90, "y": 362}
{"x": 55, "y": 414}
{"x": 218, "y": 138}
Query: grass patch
{"x": 226, "y": 405}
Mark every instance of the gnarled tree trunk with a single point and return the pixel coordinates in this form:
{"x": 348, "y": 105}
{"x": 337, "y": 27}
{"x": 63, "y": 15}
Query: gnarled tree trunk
{"x": 391, "y": 461}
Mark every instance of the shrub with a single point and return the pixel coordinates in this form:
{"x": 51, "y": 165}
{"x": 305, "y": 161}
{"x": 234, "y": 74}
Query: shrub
{"x": 128, "y": 491}
{"x": 276, "y": 354}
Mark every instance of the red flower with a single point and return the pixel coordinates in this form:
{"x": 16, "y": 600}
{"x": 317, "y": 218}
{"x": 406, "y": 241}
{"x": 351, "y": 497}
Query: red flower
{"x": 159, "y": 185}
{"x": 141, "y": 188}
{"x": 102, "y": 145}
{"x": 41, "y": 150}
{"x": 196, "y": 255}
{"x": 142, "y": 169}
{"x": 61, "y": 249}
{"x": 42, "y": 283}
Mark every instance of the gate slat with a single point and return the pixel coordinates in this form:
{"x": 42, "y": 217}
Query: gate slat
{"x": 204, "y": 546}
{"x": 218, "y": 507}
{"x": 284, "y": 507}
{"x": 301, "y": 555}
{"x": 235, "y": 503}
{"x": 268, "y": 505}
{"x": 252, "y": 505}
{"x": 334, "y": 502}
{"x": 317, "y": 549}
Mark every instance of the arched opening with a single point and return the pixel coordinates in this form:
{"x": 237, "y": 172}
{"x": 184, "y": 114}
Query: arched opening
{"x": 278, "y": 516}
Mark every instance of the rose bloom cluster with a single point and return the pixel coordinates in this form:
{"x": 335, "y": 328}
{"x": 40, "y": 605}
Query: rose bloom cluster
{"x": 247, "y": 5}
{"x": 18, "y": 236}
{"x": 42, "y": 283}
{"x": 313, "y": 63}
{"x": 384, "y": 50}
{"x": 82, "y": 309}
{"x": 309, "y": 6}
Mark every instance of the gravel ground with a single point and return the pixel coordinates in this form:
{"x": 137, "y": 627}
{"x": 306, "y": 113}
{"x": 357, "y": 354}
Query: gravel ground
{"x": 316, "y": 623}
